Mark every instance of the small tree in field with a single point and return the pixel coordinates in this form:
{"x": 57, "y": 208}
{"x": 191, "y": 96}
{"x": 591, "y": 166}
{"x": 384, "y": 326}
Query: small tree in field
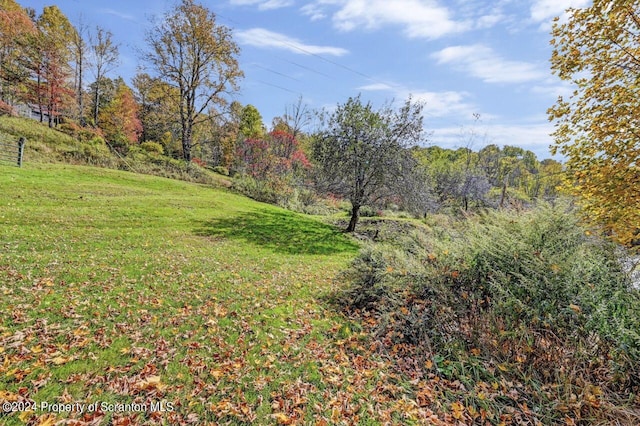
{"x": 361, "y": 153}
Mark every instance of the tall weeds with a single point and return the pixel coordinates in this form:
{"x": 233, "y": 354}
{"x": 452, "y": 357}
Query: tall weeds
{"x": 527, "y": 300}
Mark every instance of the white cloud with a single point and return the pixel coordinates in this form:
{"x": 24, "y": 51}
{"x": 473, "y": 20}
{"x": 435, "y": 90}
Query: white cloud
{"x": 436, "y": 104}
{"x": 482, "y": 62}
{"x": 120, "y": 15}
{"x": 263, "y": 4}
{"x": 553, "y": 90}
{"x": 260, "y": 37}
{"x": 420, "y": 18}
{"x": 488, "y": 21}
{"x": 430, "y": 19}
{"x": 376, "y": 87}
{"x": 543, "y": 11}
{"x": 533, "y": 136}
{"x": 313, "y": 11}
{"x": 442, "y": 104}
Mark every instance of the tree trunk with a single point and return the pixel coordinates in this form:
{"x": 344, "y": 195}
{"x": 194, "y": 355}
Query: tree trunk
{"x": 503, "y": 196}
{"x": 95, "y": 104}
{"x": 355, "y": 215}
{"x": 81, "y": 119}
{"x": 186, "y": 143}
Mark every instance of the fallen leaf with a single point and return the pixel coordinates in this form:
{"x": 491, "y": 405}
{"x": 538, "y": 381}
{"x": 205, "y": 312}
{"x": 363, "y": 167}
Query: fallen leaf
{"x": 151, "y": 382}
{"x": 59, "y": 360}
{"x": 282, "y": 419}
{"x": 48, "y": 420}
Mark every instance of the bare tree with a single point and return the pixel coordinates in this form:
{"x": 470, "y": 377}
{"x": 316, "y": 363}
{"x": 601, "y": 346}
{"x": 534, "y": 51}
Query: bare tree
{"x": 80, "y": 49}
{"x": 105, "y": 59}
{"x": 297, "y": 117}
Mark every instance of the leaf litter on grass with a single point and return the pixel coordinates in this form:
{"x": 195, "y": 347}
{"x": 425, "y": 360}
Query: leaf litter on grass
{"x": 131, "y": 309}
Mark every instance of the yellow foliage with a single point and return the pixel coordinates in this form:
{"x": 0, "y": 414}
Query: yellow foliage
{"x": 596, "y": 126}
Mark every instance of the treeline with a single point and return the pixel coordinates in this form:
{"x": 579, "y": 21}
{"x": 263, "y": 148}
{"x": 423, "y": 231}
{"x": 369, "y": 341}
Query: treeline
{"x": 376, "y": 160}
{"x": 62, "y": 75}
{"x": 66, "y": 76}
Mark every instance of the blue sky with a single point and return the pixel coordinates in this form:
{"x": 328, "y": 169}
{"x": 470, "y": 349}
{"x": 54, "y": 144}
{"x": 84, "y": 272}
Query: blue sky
{"x": 463, "y": 58}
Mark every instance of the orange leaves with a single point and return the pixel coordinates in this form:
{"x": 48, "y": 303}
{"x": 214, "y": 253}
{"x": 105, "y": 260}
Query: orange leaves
{"x": 282, "y": 419}
{"x": 150, "y": 383}
{"x": 46, "y": 420}
{"x": 457, "y": 410}
{"x": 229, "y": 408}
{"x": 59, "y": 360}
{"x": 119, "y": 119}
{"x": 44, "y": 282}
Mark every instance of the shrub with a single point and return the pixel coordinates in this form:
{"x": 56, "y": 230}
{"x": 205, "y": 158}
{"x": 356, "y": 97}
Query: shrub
{"x": 78, "y": 132}
{"x": 221, "y": 170}
{"x": 531, "y": 292}
{"x": 6, "y": 109}
{"x": 152, "y": 147}
{"x": 273, "y": 190}
{"x": 368, "y": 211}
{"x": 200, "y": 162}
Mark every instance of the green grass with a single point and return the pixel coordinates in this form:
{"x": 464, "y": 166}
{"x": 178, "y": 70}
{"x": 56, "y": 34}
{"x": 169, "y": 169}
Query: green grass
{"x": 127, "y": 288}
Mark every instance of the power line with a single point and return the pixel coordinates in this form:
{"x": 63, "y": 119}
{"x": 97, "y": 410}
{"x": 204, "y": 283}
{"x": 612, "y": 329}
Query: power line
{"x": 327, "y": 60}
{"x": 279, "y": 87}
{"x": 308, "y": 52}
{"x": 274, "y": 72}
{"x": 305, "y": 67}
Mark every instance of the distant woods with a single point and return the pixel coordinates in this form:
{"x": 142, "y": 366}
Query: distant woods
{"x": 66, "y": 76}
{"x": 180, "y": 105}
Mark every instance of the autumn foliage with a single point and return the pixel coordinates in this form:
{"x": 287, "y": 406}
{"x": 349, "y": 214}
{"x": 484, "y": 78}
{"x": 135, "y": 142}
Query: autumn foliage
{"x": 119, "y": 119}
{"x": 598, "y": 51}
{"x": 277, "y": 154}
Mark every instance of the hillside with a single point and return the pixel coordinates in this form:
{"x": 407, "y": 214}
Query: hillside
{"x": 134, "y": 299}
{"x": 128, "y": 289}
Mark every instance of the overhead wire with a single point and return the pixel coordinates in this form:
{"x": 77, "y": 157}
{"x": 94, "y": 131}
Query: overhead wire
{"x": 306, "y": 52}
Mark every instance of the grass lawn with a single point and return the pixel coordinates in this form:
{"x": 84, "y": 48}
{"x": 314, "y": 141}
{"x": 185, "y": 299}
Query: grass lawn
{"x": 119, "y": 292}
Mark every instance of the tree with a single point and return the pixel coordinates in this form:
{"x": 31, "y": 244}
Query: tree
{"x": 48, "y": 55}
{"x": 360, "y": 153}
{"x": 251, "y": 125}
{"x": 190, "y": 51}
{"x": 15, "y": 25}
{"x": 455, "y": 175}
{"x": 106, "y": 88}
{"x": 105, "y": 58}
{"x": 79, "y": 51}
{"x": 119, "y": 119}
{"x": 225, "y": 135}
{"x": 158, "y": 108}
{"x": 275, "y": 155}
{"x": 598, "y": 51}
{"x": 295, "y": 118}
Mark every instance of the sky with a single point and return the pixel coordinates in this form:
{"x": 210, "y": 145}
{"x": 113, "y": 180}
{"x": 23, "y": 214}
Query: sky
{"x": 480, "y": 67}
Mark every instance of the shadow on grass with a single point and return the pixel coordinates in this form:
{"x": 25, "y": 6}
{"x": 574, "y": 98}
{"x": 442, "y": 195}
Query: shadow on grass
{"x": 283, "y": 232}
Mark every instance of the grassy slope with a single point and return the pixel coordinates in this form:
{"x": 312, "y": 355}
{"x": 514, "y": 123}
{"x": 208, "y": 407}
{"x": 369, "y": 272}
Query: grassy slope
{"x": 125, "y": 288}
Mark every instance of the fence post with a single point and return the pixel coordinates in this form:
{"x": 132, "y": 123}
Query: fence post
{"x": 21, "y": 143}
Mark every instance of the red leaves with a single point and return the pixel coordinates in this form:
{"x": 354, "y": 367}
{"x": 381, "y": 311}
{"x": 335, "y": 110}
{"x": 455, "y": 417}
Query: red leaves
{"x": 119, "y": 120}
{"x": 278, "y": 154}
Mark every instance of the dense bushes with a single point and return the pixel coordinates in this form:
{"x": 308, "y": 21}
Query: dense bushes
{"x": 528, "y": 298}
{"x": 279, "y": 190}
